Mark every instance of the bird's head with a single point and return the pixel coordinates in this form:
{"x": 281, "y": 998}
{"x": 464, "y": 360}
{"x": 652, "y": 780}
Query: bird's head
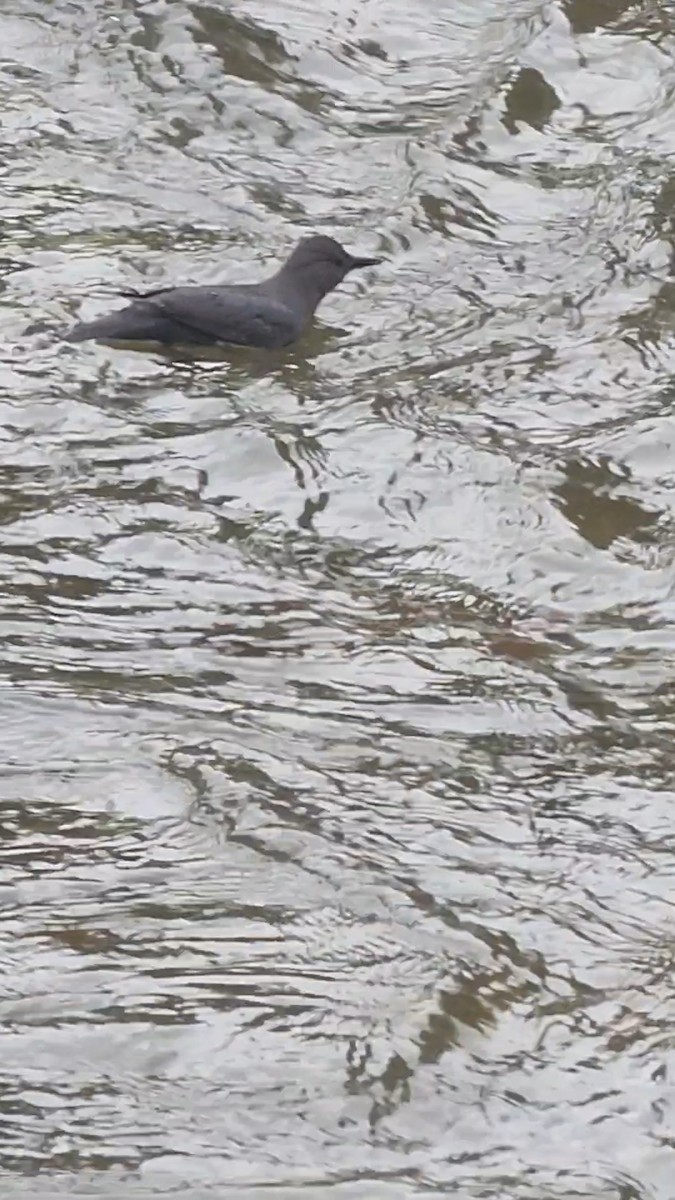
{"x": 324, "y": 262}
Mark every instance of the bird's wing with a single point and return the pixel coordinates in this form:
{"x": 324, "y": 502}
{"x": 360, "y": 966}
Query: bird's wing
{"x": 134, "y": 294}
{"x": 241, "y": 316}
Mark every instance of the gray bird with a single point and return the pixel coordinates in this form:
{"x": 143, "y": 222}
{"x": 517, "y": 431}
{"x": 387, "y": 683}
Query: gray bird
{"x": 269, "y": 314}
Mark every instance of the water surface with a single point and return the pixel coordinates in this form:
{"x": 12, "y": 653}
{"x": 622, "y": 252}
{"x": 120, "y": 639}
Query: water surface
{"x": 338, "y": 706}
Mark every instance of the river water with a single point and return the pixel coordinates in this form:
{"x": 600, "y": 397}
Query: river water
{"x": 338, "y": 686}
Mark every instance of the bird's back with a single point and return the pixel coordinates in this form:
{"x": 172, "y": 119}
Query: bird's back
{"x": 238, "y": 314}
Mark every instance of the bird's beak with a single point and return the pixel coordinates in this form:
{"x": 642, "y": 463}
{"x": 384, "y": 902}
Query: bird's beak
{"x": 362, "y": 262}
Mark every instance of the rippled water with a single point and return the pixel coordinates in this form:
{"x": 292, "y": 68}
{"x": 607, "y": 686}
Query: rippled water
{"x": 338, "y": 700}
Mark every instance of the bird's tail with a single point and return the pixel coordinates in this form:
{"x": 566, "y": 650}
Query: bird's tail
{"x": 135, "y": 323}
{"x": 81, "y": 332}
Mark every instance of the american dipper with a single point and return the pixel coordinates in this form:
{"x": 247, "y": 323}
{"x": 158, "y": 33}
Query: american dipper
{"x": 269, "y": 314}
